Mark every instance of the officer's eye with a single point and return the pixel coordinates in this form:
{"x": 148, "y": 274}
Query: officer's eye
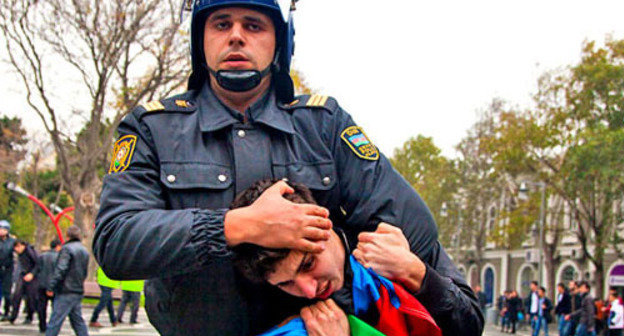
{"x": 253, "y": 27}
{"x": 222, "y": 25}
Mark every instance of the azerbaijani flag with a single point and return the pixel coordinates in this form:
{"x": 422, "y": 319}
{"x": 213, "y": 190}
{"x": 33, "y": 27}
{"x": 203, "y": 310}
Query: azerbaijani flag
{"x": 358, "y": 140}
{"x": 400, "y": 314}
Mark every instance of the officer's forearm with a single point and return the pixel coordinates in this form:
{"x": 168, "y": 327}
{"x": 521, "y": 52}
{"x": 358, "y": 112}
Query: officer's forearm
{"x": 235, "y": 226}
{"x": 451, "y": 305}
{"x": 158, "y": 243}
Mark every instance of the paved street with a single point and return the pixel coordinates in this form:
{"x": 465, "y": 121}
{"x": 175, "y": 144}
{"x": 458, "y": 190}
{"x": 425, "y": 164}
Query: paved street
{"x": 492, "y": 330}
{"x": 143, "y": 328}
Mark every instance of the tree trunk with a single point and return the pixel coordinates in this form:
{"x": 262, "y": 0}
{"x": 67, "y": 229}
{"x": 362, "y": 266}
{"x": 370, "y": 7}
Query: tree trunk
{"x": 84, "y": 216}
{"x": 549, "y": 263}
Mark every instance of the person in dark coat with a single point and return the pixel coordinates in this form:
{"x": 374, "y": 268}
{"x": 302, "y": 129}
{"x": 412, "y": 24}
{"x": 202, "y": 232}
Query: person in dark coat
{"x": 27, "y": 284}
{"x": 481, "y": 297}
{"x": 563, "y": 308}
{"x": 45, "y": 267}
{"x": 586, "y": 314}
{"x": 514, "y": 307}
{"x": 575, "y": 303}
{"x": 67, "y": 285}
{"x": 7, "y": 243}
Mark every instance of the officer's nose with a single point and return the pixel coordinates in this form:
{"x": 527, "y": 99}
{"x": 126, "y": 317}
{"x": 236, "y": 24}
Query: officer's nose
{"x": 306, "y": 285}
{"x": 237, "y": 36}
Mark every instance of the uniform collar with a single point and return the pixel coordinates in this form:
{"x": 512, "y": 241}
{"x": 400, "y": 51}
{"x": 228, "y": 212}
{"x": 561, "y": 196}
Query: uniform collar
{"x": 214, "y": 115}
{"x": 266, "y": 111}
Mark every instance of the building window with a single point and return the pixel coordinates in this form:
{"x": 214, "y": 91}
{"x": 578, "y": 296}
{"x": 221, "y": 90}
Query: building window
{"x": 568, "y": 274}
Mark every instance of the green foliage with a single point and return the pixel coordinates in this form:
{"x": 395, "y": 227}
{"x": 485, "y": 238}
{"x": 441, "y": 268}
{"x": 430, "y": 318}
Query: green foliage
{"x": 420, "y": 162}
{"x": 22, "y": 224}
{"x": 12, "y": 141}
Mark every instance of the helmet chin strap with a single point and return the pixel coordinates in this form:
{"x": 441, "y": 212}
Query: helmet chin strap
{"x": 239, "y": 80}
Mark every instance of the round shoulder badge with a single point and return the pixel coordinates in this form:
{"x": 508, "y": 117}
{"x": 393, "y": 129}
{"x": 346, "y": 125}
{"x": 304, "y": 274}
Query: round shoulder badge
{"x": 122, "y": 153}
{"x": 359, "y": 143}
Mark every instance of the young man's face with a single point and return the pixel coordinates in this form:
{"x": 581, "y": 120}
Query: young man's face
{"x": 560, "y": 289}
{"x": 239, "y": 39}
{"x": 312, "y": 275}
{"x": 3, "y": 232}
{"x": 541, "y": 293}
{"x": 19, "y": 248}
{"x": 572, "y": 286}
{"x": 533, "y": 287}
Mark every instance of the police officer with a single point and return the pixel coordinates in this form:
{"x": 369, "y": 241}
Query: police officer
{"x": 7, "y": 243}
{"x": 179, "y": 162}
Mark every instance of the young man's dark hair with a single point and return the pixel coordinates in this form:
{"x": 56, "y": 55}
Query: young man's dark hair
{"x": 542, "y": 289}
{"x": 585, "y": 283}
{"x": 561, "y": 285}
{"x": 256, "y": 262}
{"x": 21, "y": 242}
{"x": 54, "y": 243}
{"x": 534, "y": 283}
{"x": 74, "y": 233}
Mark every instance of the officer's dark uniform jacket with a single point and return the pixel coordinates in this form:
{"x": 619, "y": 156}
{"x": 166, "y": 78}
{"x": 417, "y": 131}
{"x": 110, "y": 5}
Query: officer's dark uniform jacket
{"x": 162, "y": 217}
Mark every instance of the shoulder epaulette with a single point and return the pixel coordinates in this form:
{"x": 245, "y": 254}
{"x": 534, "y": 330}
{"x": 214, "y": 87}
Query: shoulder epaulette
{"x": 179, "y": 103}
{"x": 313, "y": 101}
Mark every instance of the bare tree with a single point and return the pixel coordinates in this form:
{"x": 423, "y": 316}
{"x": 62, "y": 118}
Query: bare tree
{"x": 99, "y": 59}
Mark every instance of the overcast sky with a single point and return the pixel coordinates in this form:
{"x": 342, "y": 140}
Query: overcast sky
{"x": 403, "y": 68}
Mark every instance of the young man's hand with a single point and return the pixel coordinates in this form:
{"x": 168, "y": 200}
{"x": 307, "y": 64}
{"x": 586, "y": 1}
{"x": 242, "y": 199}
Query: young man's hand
{"x": 387, "y": 252}
{"x": 325, "y": 318}
{"x": 273, "y": 221}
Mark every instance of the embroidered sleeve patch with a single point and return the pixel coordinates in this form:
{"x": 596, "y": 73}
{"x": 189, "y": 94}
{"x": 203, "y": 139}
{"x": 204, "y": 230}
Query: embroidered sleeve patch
{"x": 122, "y": 153}
{"x": 359, "y": 143}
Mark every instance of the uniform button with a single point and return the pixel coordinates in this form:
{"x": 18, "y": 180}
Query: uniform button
{"x": 171, "y": 178}
{"x": 326, "y": 180}
{"x": 241, "y": 134}
{"x": 222, "y": 178}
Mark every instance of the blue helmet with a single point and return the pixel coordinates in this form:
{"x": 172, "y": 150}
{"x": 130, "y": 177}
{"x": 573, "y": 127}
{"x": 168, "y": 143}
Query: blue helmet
{"x": 280, "y": 12}
{"x": 4, "y": 224}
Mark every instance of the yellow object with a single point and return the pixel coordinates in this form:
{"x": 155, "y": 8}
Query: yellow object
{"x": 317, "y": 100}
{"x": 153, "y": 106}
{"x": 105, "y": 281}
{"x": 132, "y": 286}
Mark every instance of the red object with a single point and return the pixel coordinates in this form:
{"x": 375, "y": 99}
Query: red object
{"x": 55, "y": 219}
{"x": 410, "y": 319}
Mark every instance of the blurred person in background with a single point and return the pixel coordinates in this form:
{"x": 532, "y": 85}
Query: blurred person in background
{"x": 6, "y": 267}
{"x": 27, "y": 284}
{"x": 563, "y": 308}
{"x": 615, "y": 320}
{"x": 106, "y": 299}
{"x": 43, "y": 272}
{"x": 586, "y": 314}
{"x": 67, "y": 285}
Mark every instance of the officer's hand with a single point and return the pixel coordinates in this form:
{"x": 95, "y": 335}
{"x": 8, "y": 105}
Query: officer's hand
{"x": 28, "y": 277}
{"x": 272, "y": 221}
{"x": 325, "y": 318}
{"x": 387, "y": 252}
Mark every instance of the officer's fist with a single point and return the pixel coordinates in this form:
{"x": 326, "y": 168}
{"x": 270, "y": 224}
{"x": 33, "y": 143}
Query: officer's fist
{"x": 388, "y": 253}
